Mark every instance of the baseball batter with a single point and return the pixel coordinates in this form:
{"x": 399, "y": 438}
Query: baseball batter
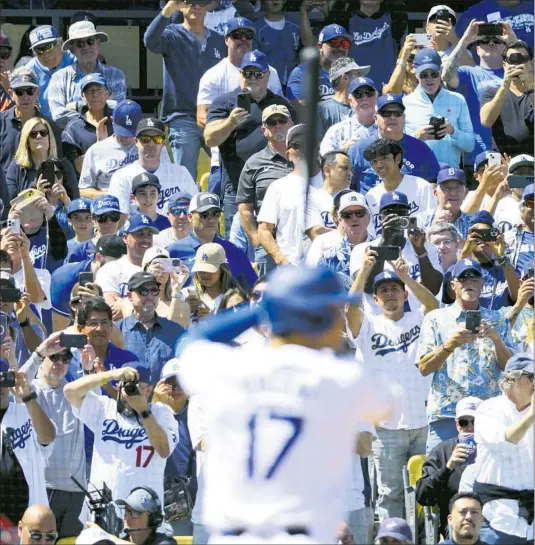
{"x": 281, "y": 421}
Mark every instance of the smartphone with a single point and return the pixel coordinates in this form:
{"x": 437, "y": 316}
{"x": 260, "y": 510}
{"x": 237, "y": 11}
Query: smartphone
{"x": 244, "y": 101}
{"x": 9, "y": 295}
{"x": 386, "y": 253}
{"x": 490, "y": 29}
{"x": 423, "y": 40}
{"x": 494, "y": 159}
{"x": 170, "y": 264}
{"x": 26, "y": 195}
{"x": 438, "y": 123}
{"x": 443, "y": 15}
{"x": 49, "y": 172}
{"x": 473, "y": 320}
{"x": 7, "y": 379}
{"x": 519, "y": 182}
{"x": 4, "y": 325}
{"x": 85, "y": 278}
{"x": 13, "y": 224}
{"x": 413, "y": 223}
{"x": 488, "y": 235}
{"x": 72, "y": 340}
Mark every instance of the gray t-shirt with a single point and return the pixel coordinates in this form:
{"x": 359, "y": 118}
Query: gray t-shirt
{"x": 331, "y": 112}
{"x": 68, "y": 456}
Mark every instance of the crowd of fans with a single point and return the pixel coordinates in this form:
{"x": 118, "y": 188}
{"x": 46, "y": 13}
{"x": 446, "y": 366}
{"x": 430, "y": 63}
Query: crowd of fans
{"x": 114, "y": 245}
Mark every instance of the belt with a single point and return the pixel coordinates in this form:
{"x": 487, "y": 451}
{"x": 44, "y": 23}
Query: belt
{"x": 291, "y": 530}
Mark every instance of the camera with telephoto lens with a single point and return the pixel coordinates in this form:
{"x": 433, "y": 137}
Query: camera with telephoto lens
{"x": 131, "y": 388}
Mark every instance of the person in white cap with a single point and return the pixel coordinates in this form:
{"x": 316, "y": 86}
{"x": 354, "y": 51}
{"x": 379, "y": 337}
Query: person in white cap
{"x": 64, "y": 93}
{"x": 445, "y": 464}
{"x": 95, "y": 536}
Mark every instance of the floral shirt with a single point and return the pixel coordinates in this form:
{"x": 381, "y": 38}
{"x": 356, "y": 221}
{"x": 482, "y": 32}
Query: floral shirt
{"x": 520, "y": 330}
{"x": 472, "y": 370}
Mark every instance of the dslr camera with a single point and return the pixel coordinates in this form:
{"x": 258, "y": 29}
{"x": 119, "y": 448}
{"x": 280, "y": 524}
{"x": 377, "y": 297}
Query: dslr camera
{"x": 131, "y": 388}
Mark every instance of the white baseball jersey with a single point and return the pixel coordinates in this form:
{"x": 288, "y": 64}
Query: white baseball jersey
{"x": 319, "y": 209}
{"x": 271, "y": 425}
{"x": 123, "y": 456}
{"x": 114, "y": 276}
{"x": 389, "y": 350}
{"x": 173, "y": 179}
{"x": 419, "y": 195}
{"x": 102, "y": 160}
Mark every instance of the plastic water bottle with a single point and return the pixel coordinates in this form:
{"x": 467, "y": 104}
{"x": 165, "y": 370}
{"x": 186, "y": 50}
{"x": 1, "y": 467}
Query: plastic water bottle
{"x": 468, "y": 439}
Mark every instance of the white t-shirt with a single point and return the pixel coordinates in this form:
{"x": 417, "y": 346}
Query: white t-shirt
{"x": 173, "y": 178}
{"x": 419, "y": 194}
{"x": 409, "y": 256}
{"x": 114, "y": 276}
{"x": 319, "y": 208}
{"x": 102, "y": 159}
{"x": 30, "y": 454}
{"x": 507, "y": 213}
{"x": 164, "y": 238}
{"x": 123, "y": 456}
{"x": 44, "y": 277}
{"x": 283, "y": 206}
{"x": 389, "y": 350}
{"x": 271, "y": 425}
{"x": 223, "y": 78}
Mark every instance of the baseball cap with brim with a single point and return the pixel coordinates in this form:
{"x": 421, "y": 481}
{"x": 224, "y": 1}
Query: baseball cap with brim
{"x": 275, "y": 109}
{"x": 528, "y": 192}
{"x": 43, "y": 34}
{"x": 480, "y": 159}
{"x": 237, "y": 23}
{"x": 150, "y": 124}
{"x": 393, "y": 198}
{"x": 94, "y": 536}
{"x": 81, "y": 30}
{"x": 170, "y": 369}
{"x": 204, "y": 201}
{"x": 209, "y": 258}
{"x": 447, "y": 174}
{"x": 333, "y": 31}
{"x": 522, "y": 160}
{"x": 482, "y": 216}
{"x": 349, "y": 66}
{"x": 111, "y": 246}
{"x": 389, "y": 98}
{"x": 79, "y": 205}
{"x": 296, "y": 135}
{"x": 256, "y": 59}
{"x": 96, "y": 78}
{"x": 435, "y": 9}
{"x": 467, "y": 406}
{"x": 396, "y": 528}
{"x": 178, "y": 199}
{"x": 153, "y": 253}
{"x": 520, "y": 362}
{"x": 140, "y": 500}
{"x": 104, "y": 204}
{"x": 352, "y": 198}
{"x": 5, "y": 41}
{"x": 427, "y": 59}
{"x": 359, "y": 82}
{"x": 139, "y": 279}
{"x": 144, "y": 179}
{"x": 386, "y": 276}
{"x": 466, "y": 265}
{"x": 138, "y": 222}
{"x": 24, "y": 80}
{"x": 126, "y": 117}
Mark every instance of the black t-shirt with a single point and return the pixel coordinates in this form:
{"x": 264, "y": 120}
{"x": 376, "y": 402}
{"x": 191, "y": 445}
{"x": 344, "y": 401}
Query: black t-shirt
{"x": 14, "y": 491}
{"x": 513, "y": 130}
{"x": 246, "y": 139}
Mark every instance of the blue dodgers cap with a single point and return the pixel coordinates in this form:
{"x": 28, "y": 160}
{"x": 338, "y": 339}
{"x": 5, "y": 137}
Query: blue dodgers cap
{"x": 396, "y": 528}
{"x": 387, "y": 99}
{"x": 528, "y": 192}
{"x": 237, "y": 23}
{"x": 126, "y": 116}
{"x": 333, "y": 31}
{"x": 466, "y": 265}
{"x": 43, "y": 34}
{"x": 104, "y": 204}
{"x": 394, "y": 198}
{"x": 427, "y": 58}
{"x": 96, "y": 78}
{"x": 480, "y": 159}
{"x": 28, "y": 79}
{"x": 386, "y": 276}
{"x": 178, "y": 200}
{"x": 447, "y": 174}
{"x": 79, "y": 205}
{"x": 482, "y": 216}
{"x": 142, "y": 370}
{"x": 520, "y": 362}
{"x": 255, "y": 58}
{"x": 138, "y": 222}
{"x": 359, "y": 82}
{"x": 142, "y": 501}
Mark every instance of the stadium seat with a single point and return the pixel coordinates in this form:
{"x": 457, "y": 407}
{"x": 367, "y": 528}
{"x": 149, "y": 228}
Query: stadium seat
{"x": 66, "y": 541}
{"x": 203, "y": 167}
{"x": 203, "y": 181}
{"x": 184, "y": 540}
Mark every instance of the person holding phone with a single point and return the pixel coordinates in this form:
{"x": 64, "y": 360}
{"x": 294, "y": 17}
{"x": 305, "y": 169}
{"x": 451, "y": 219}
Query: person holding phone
{"x": 462, "y": 362}
{"x": 441, "y": 21}
{"x": 486, "y": 244}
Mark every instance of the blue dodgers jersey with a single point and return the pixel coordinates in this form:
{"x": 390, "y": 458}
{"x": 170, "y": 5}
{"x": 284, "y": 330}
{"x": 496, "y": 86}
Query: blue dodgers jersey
{"x": 63, "y": 280}
{"x": 294, "y": 91}
{"x": 80, "y": 251}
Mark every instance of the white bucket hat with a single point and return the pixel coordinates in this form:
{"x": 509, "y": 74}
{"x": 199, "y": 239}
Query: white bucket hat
{"x": 81, "y": 30}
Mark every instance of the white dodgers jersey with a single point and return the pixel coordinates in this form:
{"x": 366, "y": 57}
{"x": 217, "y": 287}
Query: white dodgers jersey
{"x": 123, "y": 456}
{"x": 281, "y": 424}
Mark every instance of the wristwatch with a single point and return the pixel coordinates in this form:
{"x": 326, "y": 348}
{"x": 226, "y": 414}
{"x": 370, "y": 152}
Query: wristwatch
{"x": 145, "y": 414}
{"x": 38, "y": 357}
{"x": 29, "y": 397}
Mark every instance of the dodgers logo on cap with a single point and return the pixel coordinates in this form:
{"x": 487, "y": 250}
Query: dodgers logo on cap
{"x": 239, "y": 20}
{"x": 204, "y": 256}
{"x": 82, "y": 205}
{"x": 144, "y": 219}
{"x": 390, "y": 97}
{"x": 387, "y": 275}
{"x": 451, "y": 171}
{"x": 144, "y": 178}
{"x": 337, "y": 29}
{"x": 395, "y": 197}
{"x": 128, "y": 121}
{"x": 252, "y": 57}
{"x": 150, "y": 123}
{"x": 426, "y": 59}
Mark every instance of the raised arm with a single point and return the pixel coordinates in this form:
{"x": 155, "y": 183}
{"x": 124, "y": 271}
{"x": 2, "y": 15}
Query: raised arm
{"x": 354, "y": 315}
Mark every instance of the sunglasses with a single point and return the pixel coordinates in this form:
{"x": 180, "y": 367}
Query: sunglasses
{"x": 113, "y": 217}
{"x": 64, "y": 357}
{"x": 487, "y": 41}
{"x": 242, "y": 35}
{"x": 47, "y": 48}
{"x": 339, "y": 43}
{"x": 25, "y": 91}
{"x": 391, "y": 113}
{"x": 179, "y": 211}
{"x": 156, "y": 138}
{"x": 216, "y": 214}
{"x": 431, "y": 74}
{"x": 469, "y": 276}
{"x": 50, "y": 537}
{"x": 5, "y": 56}
{"x": 361, "y": 93}
{"x": 273, "y": 121}
{"x": 463, "y": 422}
{"x": 81, "y": 43}
{"x": 253, "y": 74}
{"x": 529, "y": 203}
{"x": 354, "y": 214}
{"x": 42, "y": 134}
{"x": 148, "y": 291}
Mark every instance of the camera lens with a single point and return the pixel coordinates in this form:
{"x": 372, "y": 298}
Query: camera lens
{"x": 130, "y": 388}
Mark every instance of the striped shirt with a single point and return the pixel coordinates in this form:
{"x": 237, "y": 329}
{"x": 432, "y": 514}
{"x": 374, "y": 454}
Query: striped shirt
{"x": 340, "y": 133}
{"x": 65, "y": 88}
{"x": 462, "y": 223}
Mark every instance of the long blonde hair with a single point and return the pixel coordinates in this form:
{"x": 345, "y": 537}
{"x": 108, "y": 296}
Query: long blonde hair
{"x": 23, "y": 157}
{"x": 226, "y": 282}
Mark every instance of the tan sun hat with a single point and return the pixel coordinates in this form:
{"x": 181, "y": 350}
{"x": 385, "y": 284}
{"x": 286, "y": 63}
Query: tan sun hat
{"x": 81, "y": 30}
